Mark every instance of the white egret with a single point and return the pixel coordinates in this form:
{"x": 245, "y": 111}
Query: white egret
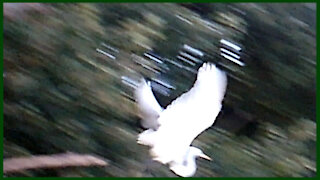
{"x": 182, "y": 121}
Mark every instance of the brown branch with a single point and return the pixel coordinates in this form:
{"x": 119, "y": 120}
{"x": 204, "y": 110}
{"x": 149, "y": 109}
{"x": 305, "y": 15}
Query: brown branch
{"x": 50, "y": 161}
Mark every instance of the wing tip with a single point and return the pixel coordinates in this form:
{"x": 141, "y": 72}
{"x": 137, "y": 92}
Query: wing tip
{"x": 211, "y": 76}
{"x": 210, "y": 68}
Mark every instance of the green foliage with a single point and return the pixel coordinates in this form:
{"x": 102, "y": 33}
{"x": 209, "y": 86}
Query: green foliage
{"x": 61, "y": 95}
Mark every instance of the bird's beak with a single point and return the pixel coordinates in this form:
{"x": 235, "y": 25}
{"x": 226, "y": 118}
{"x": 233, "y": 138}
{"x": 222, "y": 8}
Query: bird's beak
{"x": 205, "y": 157}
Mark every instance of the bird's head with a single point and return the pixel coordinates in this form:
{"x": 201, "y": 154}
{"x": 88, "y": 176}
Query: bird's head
{"x": 198, "y": 153}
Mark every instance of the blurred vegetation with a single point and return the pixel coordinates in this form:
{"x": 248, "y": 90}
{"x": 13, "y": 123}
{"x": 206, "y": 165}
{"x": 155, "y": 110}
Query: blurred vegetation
{"x": 61, "y": 94}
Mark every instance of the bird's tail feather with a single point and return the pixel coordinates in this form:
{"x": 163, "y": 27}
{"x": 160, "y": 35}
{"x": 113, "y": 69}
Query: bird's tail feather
{"x": 146, "y": 137}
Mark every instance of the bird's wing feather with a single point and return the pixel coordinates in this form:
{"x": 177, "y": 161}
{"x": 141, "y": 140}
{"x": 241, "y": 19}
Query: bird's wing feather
{"x": 148, "y": 106}
{"x": 197, "y": 109}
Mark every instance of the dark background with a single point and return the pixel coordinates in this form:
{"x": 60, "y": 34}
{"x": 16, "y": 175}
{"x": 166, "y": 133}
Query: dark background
{"x": 61, "y": 94}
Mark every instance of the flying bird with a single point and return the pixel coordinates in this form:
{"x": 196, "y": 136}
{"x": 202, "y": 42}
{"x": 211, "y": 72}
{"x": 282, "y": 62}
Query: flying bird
{"x": 171, "y": 131}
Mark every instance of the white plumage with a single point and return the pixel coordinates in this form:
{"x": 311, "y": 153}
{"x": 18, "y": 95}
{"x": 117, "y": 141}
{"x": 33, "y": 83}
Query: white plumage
{"x": 148, "y": 105}
{"x": 171, "y": 131}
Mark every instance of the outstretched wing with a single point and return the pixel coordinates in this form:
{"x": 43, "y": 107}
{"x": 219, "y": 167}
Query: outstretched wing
{"x": 203, "y": 100}
{"x": 148, "y": 106}
{"x": 190, "y": 114}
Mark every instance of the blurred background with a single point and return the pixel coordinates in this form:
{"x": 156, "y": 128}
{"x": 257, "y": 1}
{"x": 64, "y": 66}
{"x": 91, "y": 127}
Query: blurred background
{"x": 69, "y": 71}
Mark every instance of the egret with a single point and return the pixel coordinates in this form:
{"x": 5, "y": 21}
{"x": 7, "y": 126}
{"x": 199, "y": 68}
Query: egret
{"x": 171, "y": 131}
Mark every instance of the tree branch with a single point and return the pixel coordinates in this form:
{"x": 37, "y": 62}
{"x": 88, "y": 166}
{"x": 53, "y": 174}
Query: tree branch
{"x": 50, "y": 161}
